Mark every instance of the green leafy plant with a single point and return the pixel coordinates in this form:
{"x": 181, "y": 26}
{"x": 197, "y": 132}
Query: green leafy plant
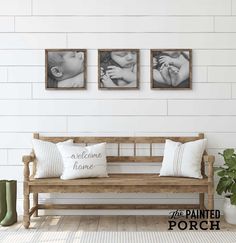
{"x": 227, "y": 174}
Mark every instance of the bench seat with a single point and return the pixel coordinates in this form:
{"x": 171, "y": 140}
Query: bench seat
{"x": 121, "y": 183}
{"x": 123, "y": 180}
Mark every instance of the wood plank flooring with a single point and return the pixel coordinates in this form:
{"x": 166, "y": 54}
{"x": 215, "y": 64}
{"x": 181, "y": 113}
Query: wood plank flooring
{"x": 101, "y": 223}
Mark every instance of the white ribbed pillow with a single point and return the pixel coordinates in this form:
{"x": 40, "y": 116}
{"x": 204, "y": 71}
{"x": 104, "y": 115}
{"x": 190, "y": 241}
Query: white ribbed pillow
{"x": 183, "y": 159}
{"x": 49, "y": 160}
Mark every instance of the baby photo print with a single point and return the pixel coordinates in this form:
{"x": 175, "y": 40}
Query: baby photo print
{"x": 171, "y": 69}
{"x": 65, "y": 68}
{"x": 118, "y": 69}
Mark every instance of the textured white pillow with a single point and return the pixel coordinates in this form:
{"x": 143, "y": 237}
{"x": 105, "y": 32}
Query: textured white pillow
{"x": 83, "y": 162}
{"x": 49, "y": 160}
{"x": 183, "y": 159}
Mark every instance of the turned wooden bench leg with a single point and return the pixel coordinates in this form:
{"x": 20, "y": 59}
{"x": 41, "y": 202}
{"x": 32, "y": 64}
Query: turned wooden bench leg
{"x": 201, "y": 200}
{"x": 26, "y": 217}
{"x": 210, "y": 201}
{"x": 210, "y": 206}
{"x": 35, "y": 203}
{"x": 210, "y": 188}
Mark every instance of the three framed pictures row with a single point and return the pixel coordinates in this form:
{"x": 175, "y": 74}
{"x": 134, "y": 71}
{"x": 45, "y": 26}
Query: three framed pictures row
{"x": 118, "y": 68}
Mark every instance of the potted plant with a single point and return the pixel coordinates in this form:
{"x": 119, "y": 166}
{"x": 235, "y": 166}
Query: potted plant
{"x": 227, "y": 184}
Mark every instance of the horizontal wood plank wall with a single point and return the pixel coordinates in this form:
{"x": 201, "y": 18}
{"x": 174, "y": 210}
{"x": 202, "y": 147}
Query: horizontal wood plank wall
{"x": 27, "y": 27}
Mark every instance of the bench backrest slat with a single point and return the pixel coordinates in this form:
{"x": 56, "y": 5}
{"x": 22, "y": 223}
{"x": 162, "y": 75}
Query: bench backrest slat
{"x": 119, "y": 139}
{"x": 135, "y": 159}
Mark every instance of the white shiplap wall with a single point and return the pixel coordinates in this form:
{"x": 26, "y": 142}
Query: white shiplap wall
{"x": 27, "y": 27}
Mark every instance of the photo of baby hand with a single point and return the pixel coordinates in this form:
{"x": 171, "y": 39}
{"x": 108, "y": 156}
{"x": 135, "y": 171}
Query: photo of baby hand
{"x": 115, "y": 72}
{"x": 118, "y": 69}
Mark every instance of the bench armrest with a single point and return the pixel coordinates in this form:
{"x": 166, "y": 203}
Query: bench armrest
{"x": 210, "y": 159}
{"x": 27, "y": 159}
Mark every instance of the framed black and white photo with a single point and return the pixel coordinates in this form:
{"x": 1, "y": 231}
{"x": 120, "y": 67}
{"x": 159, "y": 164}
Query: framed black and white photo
{"x": 118, "y": 69}
{"x": 65, "y": 68}
{"x": 171, "y": 69}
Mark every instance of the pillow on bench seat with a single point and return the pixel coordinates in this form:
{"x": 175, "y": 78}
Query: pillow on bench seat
{"x": 49, "y": 160}
{"x": 183, "y": 159}
{"x": 83, "y": 162}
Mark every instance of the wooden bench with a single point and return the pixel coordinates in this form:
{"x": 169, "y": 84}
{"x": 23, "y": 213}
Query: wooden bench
{"x": 119, "y": 183}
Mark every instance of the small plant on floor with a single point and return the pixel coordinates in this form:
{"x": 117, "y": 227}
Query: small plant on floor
{"x": 227, "y": 174}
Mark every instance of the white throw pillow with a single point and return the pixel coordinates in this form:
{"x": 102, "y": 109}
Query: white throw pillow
{"x": 83, "y": 162}
{"x": 183, "y": 159}
{"x": 49, "y": 160}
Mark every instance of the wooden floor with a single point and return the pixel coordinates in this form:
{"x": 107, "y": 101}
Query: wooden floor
{"x": 101, "y": 223}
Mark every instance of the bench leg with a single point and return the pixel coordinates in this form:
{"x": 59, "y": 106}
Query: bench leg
{"x": 35, "y": 203}
{"x": 201, "y": 200}
{"x": 210, "y": 196}
{"x": 210, "y": 203}
{"x": 26, "y": 217}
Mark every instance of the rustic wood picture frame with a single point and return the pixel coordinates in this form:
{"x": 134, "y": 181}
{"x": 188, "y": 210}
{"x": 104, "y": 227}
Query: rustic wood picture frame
{"x": 47, "y": 83}
{"x": 101, "y": 87}
{"x": 171, "y": 76}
